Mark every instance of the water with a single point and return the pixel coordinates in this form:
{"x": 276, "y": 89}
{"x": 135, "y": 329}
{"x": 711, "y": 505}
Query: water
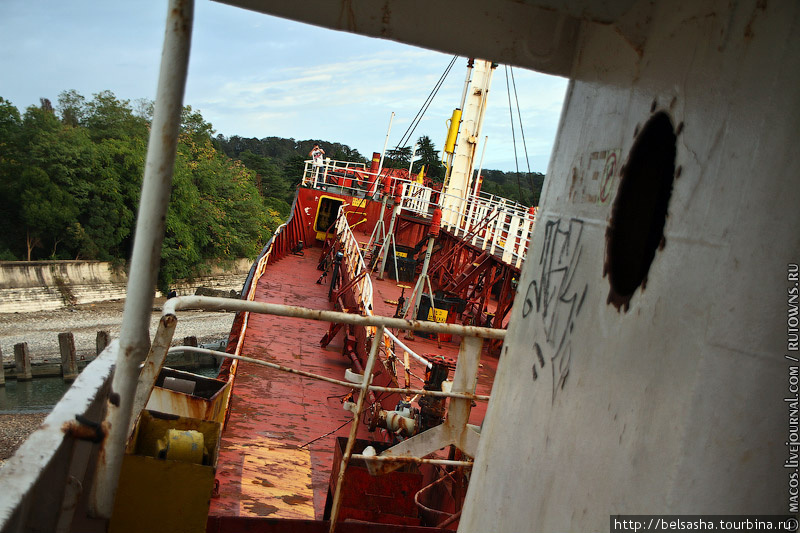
{"x": 38, "y": 395}
{"x": 41, "y": 394}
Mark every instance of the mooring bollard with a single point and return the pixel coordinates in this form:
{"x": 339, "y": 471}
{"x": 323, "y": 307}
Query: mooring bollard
{"x": 2, "y": 371}
{"x": 23, "y": 359}
{"x": 102, "y": 341}
{"x": 69, "y": 362}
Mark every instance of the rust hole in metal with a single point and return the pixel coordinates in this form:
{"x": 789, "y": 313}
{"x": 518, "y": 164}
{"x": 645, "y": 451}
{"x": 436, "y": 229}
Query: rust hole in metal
{"x": 114, "y": 399}
{"x": 636, "y": 228}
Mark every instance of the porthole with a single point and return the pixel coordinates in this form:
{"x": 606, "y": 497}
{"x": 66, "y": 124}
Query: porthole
{"x": 636, "y": 229}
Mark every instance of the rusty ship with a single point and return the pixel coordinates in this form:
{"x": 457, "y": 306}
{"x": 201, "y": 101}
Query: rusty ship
{"x": 411, "y": 358}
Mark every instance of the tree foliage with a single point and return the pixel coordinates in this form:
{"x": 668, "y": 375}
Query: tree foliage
{"x": 429, "y": 157}
{"x": 522, "y": 187}
{"x": 71, "y": 175}
{"x": 279, "y": 162}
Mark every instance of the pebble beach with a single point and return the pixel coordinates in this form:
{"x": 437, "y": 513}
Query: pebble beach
{"x": 14, "y": 429}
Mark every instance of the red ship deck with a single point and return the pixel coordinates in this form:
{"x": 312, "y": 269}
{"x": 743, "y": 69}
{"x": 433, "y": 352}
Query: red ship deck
{"x": 277, "y": 449}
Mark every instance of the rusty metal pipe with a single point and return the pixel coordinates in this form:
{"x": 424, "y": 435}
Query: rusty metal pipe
{"x": 134, "y": 340}
{"x": 348, "y": 451}
{"x": 220, "y": 304}
{"x": 411, "y": 459}
{"x": 360, "y": 369}
{"x": 438, "y": 481}
{"x": 348, "y": 384}
{"x": 409, "y": 350}
{"x": 152, "y": 365}
{"x": 447, "y": 521}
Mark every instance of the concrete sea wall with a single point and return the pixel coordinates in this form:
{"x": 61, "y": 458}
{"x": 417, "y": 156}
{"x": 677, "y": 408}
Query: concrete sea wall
{"x": 27, "y": 286}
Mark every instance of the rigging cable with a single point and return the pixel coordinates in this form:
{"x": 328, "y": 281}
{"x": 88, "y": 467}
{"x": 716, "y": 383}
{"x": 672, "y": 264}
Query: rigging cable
{"x": 418, "y": 118}
{"x": 522, "y": 132}
{"x": 513, "y": 135}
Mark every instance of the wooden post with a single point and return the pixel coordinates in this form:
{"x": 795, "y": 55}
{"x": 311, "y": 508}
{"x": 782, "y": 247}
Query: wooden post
{"x": 2, "y": 371}
{"x": 102, "y": 341}
{"x": 23, "y": 360}
{"x": 69, "y": 362}
{"x": 189, "y": 359}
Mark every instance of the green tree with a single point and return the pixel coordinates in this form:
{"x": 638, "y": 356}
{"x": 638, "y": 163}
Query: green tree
{"x": 293, "y": 170}
{"x": 56, "y": 159}
{"x": 268, "y": 177}
{"x": 10, "y": 183}
{"x": 71, "y": 107}
{"x": 109, "y": 118}
{"x": 107, "y": 207}
{"x": 398, "y": 157}
{"x": 215, "y": 212}
{"x": 194, "y": 125}
{"x": 429, "y": 157}
{"x": 144, "y": 108}
{"x": 47, "y": 208}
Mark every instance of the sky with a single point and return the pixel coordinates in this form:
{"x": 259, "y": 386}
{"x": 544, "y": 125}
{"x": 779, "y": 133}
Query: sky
{"x": 254, "y": 75}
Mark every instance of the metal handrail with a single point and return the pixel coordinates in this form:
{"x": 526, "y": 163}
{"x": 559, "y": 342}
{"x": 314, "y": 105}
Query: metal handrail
{"x": 210, "y": 303}
{"x": 148, "y": 238}
{"x": 355, "y": 261}
{"x": 508, "y": 237}
{"x": 319, "y": 377}
{"x": 411, "y": 352}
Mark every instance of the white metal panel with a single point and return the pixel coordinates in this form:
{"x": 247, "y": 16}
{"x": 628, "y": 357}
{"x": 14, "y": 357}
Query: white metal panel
{"x": 675, "y": 406}
{"x": 34, "y": 480}
{"x": 507, "y": 31}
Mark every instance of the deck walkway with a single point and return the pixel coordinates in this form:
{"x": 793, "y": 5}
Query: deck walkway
{"x": 277, "y": 450}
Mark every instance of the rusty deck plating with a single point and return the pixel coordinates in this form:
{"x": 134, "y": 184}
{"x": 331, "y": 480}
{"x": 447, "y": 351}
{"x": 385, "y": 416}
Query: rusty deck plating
{"x": 278, "y": 447}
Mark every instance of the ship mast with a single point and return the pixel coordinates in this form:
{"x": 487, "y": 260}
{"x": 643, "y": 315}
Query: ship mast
{"x": 461, "y": 153}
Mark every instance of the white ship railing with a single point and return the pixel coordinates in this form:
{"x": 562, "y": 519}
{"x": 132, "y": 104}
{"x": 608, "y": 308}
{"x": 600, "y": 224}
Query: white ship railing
{"x": 322, "y": 175}
{"x": 416, "y": 198}
{"x": 354, "y": 262}
{"x": 498, "y": 225}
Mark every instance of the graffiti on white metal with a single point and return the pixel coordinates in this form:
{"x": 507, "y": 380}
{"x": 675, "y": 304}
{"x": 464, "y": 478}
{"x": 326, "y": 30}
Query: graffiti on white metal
{"x": 556, "y": 297}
